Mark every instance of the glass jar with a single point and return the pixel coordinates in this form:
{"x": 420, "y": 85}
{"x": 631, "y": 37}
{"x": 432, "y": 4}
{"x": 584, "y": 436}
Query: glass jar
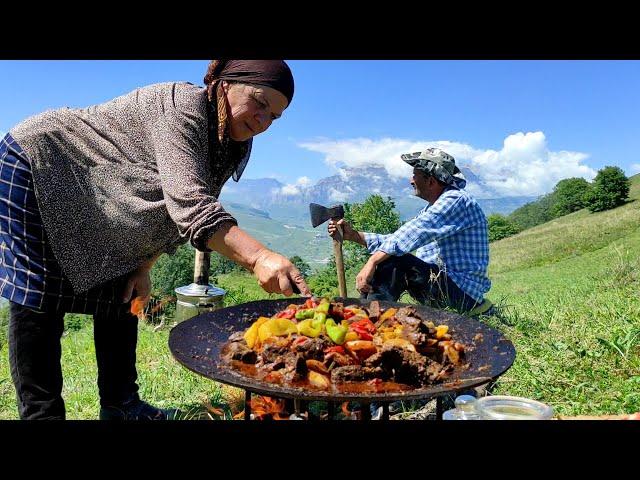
{"x": 502, "y": 407}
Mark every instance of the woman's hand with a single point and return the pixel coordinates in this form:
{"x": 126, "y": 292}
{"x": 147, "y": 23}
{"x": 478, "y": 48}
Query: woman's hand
{"x": 363, "y": 280}
{"x": 347, "y": 231}
{"x": 276, "y": 274}
{"x": 139, "y": 282}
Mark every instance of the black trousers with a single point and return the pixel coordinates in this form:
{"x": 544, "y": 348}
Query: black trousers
{"x": 425, "y": 282}
{"x": 35, "y": 352}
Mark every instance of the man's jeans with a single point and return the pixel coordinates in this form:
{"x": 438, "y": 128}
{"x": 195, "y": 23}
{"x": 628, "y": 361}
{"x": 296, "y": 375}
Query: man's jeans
{"x": 35, "y": 352}
{"x": 425, "y": 282}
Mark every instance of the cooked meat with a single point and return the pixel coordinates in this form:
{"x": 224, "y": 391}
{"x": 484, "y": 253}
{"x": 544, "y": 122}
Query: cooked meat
{"x": 295, "y": 367}
{"x": 278, "y": 363}
{"x": 406, "y": 350}
{"x": 313, "y": 349}
{"x": 274, "y": 347}
{"x": 337, "y": 310}
{"x": 355, "y": 373}
{"x": 338, "y": 359}
{"x": 374, "y": 311}
{"x": 240, "y": 351}
{"x": 407, "y": 366}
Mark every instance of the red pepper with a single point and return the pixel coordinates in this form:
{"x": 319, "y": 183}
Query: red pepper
{"x": 289, "y": 314}
{"x": 364, "y": 328}
{"x": 337, "y": 348}
{"x": 365, "y": 324}
{"x": 299, "y": 341}
{"x": 346, "y": 313}
{"x": 309, "y": 304}
{"x": 363, "y": 334}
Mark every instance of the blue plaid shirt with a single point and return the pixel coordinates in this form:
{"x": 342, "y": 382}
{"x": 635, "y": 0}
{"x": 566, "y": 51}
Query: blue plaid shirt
{"x": 452, "y": 234}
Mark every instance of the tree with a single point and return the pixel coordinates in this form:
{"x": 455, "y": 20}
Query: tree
{"x": 301, "y": 265}
{"x": 610, "y": 189}
{"x": 219, "y": 265}
{"x": 172, "y": 271}
{"x": 570, "y": 196}
{"x": 375, "y": 215}
{"x": 501, "y": 227}
{"x": 534, "y": 213}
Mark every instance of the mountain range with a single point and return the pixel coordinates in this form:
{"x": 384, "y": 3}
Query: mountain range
{"x": 289, "y": 203}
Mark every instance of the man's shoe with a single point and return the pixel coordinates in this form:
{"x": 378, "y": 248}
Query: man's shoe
{"x": 137, "y": 410}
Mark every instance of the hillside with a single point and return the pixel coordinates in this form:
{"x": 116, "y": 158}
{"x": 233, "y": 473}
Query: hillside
{"x": 568, "y": 297}
{"x": 569, "y": 291}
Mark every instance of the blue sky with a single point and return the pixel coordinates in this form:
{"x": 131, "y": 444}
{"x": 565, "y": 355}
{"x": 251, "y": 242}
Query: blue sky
{"x": 520, "y": 125}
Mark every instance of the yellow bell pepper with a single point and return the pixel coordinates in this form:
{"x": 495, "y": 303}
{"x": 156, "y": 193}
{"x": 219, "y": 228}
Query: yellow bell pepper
{"x": 306, "y": 328}
{"x": 276, "y": 327}
{"x": 251, "y": 335}
{"x": 323, "y": 306}
{"x": 351, "y": 335}
{"x": 441, "y": 330}
{"x": 388, "y": 313}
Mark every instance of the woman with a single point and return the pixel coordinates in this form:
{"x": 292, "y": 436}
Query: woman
{"x": 91, "y": 197}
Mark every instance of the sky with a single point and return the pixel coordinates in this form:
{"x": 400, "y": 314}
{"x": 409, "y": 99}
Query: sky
{"x": 521, "y": 125}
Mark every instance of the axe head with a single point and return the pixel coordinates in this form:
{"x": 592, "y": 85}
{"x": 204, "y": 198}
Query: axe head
{"x": 320, "y": 214}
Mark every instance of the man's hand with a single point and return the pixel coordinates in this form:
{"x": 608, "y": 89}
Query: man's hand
{"x": 348, "y": 232}
{"x": 276, "y": 274}
{"x": 363, "y": 280}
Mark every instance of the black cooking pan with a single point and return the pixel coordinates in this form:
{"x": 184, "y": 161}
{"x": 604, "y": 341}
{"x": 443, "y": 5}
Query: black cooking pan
{"x": 196, "y": 344}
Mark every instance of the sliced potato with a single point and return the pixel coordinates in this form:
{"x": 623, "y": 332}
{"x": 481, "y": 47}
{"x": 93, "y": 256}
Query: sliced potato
{"x": 400, "y": 342}
{"x": 318, "y": 380}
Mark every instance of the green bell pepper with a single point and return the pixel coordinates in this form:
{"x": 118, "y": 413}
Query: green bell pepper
{"x": 306, "y": 327}
{"x": 336, "y": 332}
{"x": 305, "y": 313}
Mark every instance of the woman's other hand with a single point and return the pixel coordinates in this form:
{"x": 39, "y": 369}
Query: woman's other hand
{"x": 139, "y": 282}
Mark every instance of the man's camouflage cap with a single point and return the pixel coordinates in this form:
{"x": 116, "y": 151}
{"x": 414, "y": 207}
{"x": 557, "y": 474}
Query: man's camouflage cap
{"x": 436, "y": 162}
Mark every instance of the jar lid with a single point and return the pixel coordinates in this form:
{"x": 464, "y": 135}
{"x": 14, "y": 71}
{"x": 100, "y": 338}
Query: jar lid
{"x": 502, "y": 407}
{"x": 196, "y": 290}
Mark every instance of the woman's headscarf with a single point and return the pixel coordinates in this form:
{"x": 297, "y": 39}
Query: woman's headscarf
{"x": 271, "y": 73}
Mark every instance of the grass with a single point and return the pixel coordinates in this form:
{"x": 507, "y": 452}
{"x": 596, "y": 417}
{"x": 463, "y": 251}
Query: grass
{"x": 568, "y": 295}
{"x": 569, "y": 292}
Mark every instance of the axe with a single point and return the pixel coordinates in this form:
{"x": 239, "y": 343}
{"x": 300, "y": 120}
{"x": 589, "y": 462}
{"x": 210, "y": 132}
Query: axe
{"x": 319, "y": 215}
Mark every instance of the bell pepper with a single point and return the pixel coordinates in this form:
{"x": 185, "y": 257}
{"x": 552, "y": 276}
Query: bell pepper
{"x": 388, "y": 313}
{"x": 310, "y": 303}
{"x": 323, "y": 306}
{"x": 278, "y": 327}
{"x": 288, "y": 313}
{"x": 320, "y": 317}
{"x": 347, "y": 313}
{"x": 337, "y": 349}
{"x": 364, "y": 328}
{"x": 305, "y": 313}
{"x": 441, "y": 330}
{"x": 351, "y": 335}
{"x": 251, "y": 335}
{"x": 306, "y": 328}
{"x": 336, "y": 332}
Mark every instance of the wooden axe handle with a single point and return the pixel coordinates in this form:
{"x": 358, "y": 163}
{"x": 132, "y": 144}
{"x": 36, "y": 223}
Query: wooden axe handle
{"x": 337, "y": 251}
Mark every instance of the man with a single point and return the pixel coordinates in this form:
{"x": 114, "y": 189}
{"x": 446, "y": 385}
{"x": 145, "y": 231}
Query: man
{"x": 449, "y": 237}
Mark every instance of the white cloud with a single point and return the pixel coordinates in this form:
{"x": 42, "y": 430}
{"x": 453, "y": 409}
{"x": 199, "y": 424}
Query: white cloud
{"x": 304, "y": 181}
{"x": 524, "y": 165}
{"x": 292, "y": 189}
{"x": 338, "y": 195}
{"x": 289, "y": 190}
{"x": 635, "y": 168}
